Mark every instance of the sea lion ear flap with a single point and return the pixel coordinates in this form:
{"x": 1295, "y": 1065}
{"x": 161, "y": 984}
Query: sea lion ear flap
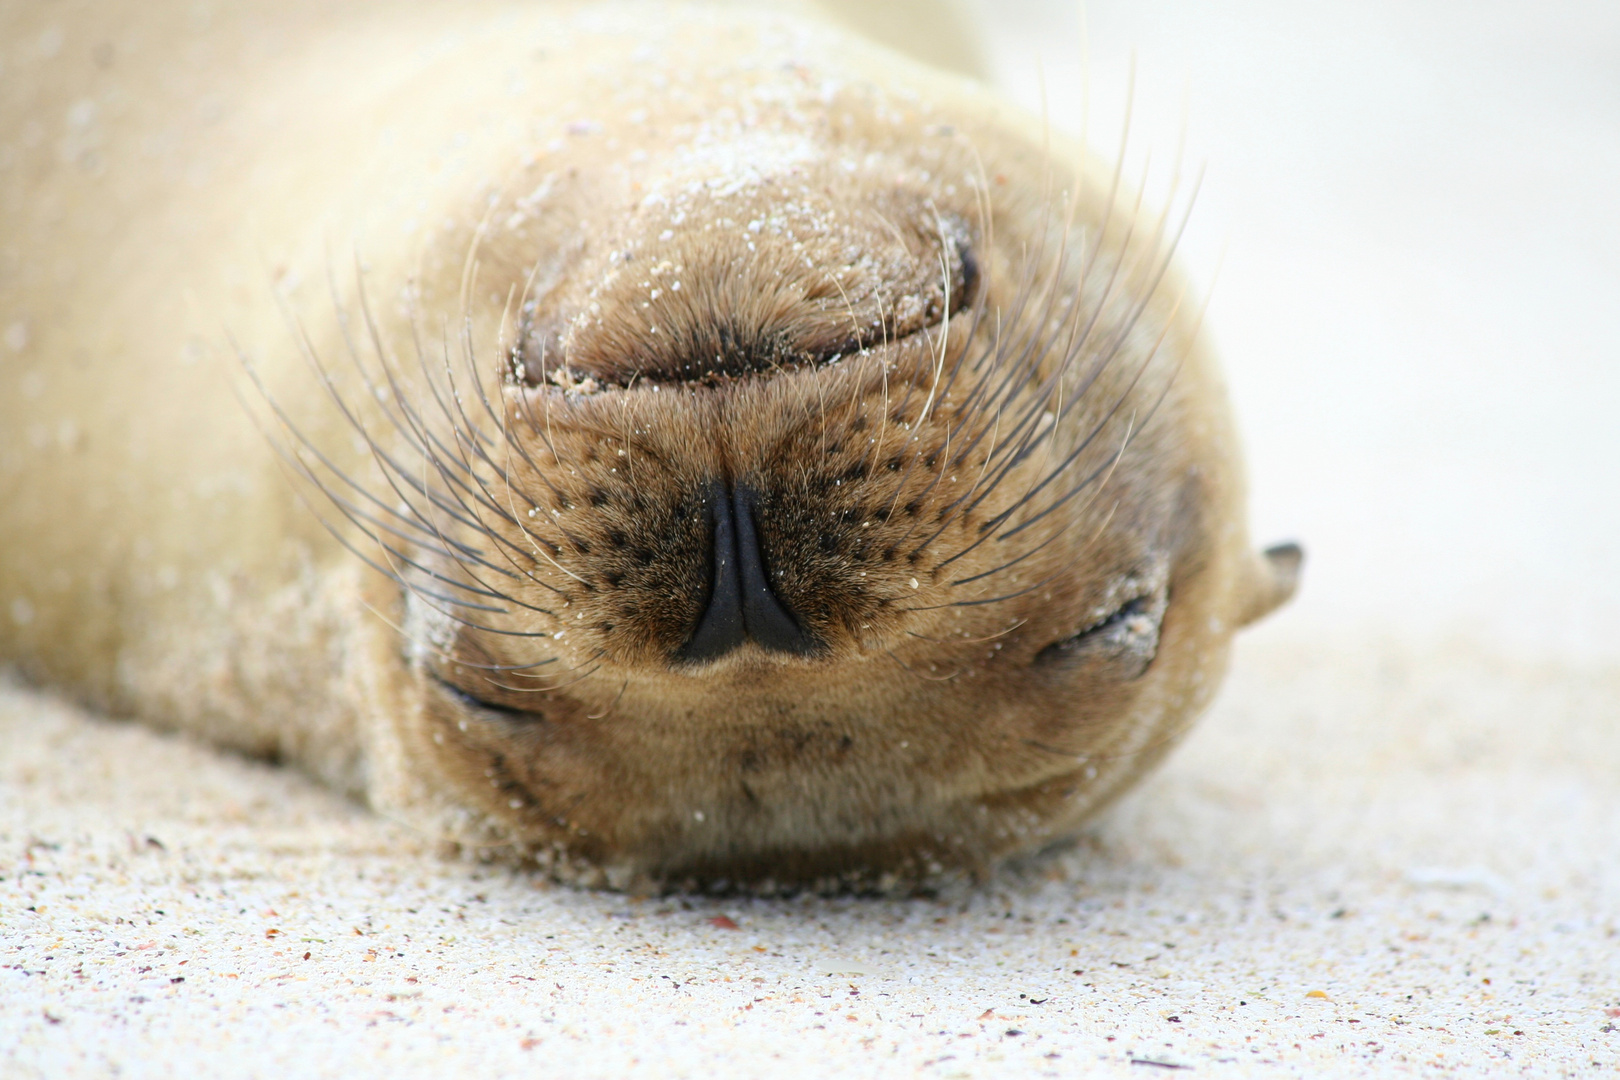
{"x": 1272, "y": 580}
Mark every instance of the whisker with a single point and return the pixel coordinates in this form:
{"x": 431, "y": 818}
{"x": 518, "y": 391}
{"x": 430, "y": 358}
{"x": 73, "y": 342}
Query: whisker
{"x": 926, "y": 678}
{"x": 967, "y": 641}
{"x": 556, "y": 687}
{"x": 611, "y": 705}
{"x": 1041, "y": 584}
{"x": 429, "y": 647}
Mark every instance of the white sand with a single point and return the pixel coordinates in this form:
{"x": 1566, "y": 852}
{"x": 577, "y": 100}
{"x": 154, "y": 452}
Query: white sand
{"x": 1407, "y": 799}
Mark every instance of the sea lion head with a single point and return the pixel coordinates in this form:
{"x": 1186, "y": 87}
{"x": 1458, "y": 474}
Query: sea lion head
{"x": 822, "y": 488}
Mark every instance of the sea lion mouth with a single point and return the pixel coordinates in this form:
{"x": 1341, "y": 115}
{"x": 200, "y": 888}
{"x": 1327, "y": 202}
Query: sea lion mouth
{"x": 701, "y": 308}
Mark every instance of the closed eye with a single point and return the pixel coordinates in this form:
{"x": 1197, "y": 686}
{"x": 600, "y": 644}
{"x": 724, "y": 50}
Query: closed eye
{"x": 1121, "y": 646}
{"x": 477, "y": 705}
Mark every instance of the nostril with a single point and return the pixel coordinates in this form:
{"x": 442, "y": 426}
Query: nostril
{"x": 741, "y": 604}
{"x": 769, "y": 621}
{"x": 720, "y": 628}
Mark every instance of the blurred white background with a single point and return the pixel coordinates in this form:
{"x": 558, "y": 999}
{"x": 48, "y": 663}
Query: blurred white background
{"x": 1411, "y": 221}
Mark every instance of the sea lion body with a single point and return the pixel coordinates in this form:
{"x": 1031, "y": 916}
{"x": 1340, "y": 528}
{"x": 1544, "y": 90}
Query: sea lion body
{"x": 677, "y": 444}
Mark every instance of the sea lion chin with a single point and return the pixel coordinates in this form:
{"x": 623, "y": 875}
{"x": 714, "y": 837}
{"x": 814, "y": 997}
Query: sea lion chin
{"x": 777, "y": 463}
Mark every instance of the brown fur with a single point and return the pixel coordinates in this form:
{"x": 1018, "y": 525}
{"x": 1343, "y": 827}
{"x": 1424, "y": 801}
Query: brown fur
{"x": 940, "y": 367}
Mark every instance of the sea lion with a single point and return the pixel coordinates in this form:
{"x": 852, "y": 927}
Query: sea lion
{"x": 737, "y": 452}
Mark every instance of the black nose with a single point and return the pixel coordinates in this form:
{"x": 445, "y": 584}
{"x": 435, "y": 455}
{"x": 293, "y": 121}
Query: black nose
{"x": 741, "y": 605}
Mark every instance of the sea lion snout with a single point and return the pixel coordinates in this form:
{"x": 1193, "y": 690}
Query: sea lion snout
{"x": 792, "y": 271}
{"x": 722, "y": 411}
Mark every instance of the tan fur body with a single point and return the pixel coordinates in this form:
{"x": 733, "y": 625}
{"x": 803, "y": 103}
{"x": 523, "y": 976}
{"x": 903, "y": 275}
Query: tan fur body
{"x": 566, "y": 294}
